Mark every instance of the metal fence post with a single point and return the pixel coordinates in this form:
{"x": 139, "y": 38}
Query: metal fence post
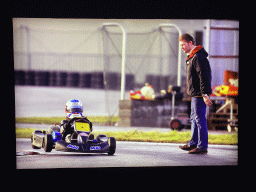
{"x": 123, "y": 55}
{"x": 179, "y": 53}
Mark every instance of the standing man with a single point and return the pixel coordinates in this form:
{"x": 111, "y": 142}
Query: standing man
{"x": 199, "y": 89}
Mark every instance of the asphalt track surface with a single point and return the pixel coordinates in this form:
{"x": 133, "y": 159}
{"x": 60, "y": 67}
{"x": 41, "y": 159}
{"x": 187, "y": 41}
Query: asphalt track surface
{"x": 50, "y": 101}
{"x": 128, "y": 154}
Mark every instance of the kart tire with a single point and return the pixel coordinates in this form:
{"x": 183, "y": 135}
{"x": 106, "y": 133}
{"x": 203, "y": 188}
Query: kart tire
{"x": 112, "y": 145}
{"x": 32, "y": 140}
{"x": 175, "y": 124}
{"x": 48, "y": 143}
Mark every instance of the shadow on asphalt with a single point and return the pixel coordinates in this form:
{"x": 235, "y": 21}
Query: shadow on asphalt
{"x": 30, "y": 153}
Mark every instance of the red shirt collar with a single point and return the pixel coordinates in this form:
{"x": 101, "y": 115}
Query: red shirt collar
{"x": 194, "y": 51}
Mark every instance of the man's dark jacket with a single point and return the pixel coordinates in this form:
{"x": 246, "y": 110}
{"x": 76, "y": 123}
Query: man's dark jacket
{"x": 198, "y": 73}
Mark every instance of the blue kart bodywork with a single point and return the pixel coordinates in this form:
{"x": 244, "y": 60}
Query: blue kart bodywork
{"x": 81, "y": 143}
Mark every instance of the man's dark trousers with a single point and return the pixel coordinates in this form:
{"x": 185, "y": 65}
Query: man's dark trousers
{"x": 199, "y": 132}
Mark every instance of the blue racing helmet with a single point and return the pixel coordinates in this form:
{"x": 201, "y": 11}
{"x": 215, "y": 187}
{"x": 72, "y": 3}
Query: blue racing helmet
{"x": 73, "y": 106}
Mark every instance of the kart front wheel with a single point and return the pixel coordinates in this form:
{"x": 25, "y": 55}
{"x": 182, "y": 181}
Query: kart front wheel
{"x": 48, "y": 143}
{"x": 112, "y": 145}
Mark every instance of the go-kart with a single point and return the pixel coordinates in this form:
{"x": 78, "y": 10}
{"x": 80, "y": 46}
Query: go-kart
{"x": 81, "y": 140}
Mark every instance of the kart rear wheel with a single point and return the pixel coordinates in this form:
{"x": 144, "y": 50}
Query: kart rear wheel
{"x": 48, "y": 143}
{"x": 32, "y": 140}
{"x": 112, "y": 145}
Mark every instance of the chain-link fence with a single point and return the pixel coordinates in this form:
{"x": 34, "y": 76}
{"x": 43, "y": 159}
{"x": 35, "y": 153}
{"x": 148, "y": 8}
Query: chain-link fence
{"x": 92, "y": 59}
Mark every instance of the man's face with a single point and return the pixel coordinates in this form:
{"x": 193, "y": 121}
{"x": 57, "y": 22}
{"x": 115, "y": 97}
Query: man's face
{"x": 186, "y": 46}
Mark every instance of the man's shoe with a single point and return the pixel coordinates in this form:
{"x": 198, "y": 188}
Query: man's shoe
{"x": 198, "y": 151}
{"x": 187, "y": 147}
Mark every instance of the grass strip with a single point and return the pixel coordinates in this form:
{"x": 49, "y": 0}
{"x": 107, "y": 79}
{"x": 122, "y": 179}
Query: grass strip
{"x": 151, "y": 136}
{"x": 52, "y": 120}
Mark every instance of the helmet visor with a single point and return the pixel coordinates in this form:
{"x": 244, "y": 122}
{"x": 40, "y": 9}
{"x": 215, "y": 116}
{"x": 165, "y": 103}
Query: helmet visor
{"x": 76, "y": 110}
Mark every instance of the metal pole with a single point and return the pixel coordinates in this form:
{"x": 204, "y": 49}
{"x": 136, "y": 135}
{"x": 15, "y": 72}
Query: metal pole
{"x": 207, "y": 38}
{"x": 234, "y": 60}
{"x": 179, "y": 53}
{"x": 173, "y": 104}
{"x": 123, "y": 55}
{"x": 28, "y": 45}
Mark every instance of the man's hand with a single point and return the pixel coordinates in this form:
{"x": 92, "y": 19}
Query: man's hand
{"x": 207, "y": 101}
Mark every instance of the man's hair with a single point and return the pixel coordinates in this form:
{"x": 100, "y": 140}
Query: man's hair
{"x": 186, "y": 37}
